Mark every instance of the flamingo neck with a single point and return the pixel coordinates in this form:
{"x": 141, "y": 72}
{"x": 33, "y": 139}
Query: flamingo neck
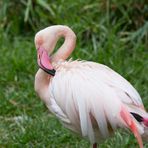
{"x": 47, "y": 39}
{"x": 69, "y": 44}
{"x": 42, "y": 80}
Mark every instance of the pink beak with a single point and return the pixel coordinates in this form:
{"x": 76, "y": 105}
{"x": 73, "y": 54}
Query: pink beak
{"x": 44, "y": 61}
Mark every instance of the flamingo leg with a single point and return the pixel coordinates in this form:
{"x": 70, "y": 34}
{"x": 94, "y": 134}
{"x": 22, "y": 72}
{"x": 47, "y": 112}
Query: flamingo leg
{"x": 95, "y": 145}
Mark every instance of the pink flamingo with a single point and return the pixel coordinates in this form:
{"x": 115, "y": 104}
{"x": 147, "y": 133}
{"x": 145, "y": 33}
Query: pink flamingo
{"x": 89, "y": 98}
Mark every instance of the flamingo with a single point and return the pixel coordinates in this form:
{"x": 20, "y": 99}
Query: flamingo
{"x": 88, "y": 98}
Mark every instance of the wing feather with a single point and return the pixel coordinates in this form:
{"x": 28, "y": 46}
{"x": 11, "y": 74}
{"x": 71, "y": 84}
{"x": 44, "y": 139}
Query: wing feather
{"x": 84, "y": 89}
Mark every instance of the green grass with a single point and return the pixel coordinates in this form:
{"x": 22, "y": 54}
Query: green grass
{"x": 103, "y": 36}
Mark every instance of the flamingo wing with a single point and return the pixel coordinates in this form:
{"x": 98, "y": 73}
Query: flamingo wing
{"x": 126, "y": 92}
{"x": 86, "y": 94}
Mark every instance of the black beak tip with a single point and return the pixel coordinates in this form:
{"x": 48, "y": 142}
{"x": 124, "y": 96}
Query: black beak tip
{"x": 50, "y": 72}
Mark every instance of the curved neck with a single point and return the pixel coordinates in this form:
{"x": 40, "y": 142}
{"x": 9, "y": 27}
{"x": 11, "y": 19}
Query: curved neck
{"x": 47, "y": 39}
{"x": 56, "y": 32}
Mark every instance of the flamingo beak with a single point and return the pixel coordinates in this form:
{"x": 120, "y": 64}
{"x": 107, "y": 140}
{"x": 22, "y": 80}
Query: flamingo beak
{"x": 44, "y": 61}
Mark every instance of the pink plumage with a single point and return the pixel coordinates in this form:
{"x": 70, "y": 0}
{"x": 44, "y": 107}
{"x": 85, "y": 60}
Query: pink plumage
{"x": 89, "y": 98}
{"x": 145, "y": 122}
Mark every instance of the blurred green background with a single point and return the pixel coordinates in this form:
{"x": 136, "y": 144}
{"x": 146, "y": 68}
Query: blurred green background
{"x": 114, "y": 33}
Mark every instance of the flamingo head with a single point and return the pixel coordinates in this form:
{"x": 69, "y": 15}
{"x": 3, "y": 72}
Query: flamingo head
{"x": 45, "y": 42}
{"x": 44, "y": 48}
{"x": 44, "y": 61}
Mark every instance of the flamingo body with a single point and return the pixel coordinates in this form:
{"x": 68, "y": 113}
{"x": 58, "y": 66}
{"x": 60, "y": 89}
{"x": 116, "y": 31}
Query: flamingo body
{"x": 89, "y": 98}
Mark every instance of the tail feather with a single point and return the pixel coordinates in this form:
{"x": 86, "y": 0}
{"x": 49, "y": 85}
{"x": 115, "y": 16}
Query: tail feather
{"x": 125, "y": 115}
{"x": 140, "y": 119}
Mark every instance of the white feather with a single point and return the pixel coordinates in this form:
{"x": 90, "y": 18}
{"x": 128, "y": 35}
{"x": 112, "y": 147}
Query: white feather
{"x": 84, "y": 90}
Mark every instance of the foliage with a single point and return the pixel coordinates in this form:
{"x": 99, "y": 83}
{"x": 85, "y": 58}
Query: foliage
{"x": 114, "y": 33}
